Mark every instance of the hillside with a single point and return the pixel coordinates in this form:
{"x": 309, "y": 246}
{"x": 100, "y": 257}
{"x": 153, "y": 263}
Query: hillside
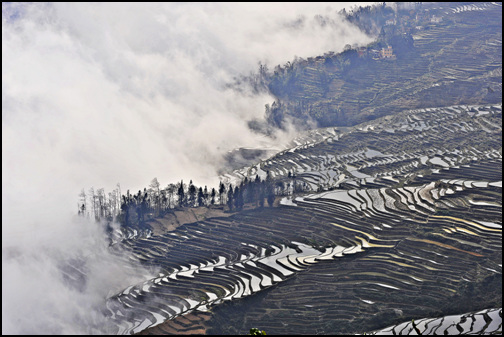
{"x": 442, "y": 54}
{"x": 406, "y": 224}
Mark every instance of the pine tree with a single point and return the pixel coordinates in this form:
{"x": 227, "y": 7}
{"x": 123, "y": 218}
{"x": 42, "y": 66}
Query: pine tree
{"x": 212, "y": 200}
{"x": 271, "y": 198}
{"x": 180, "y": 193}
{"x": 200, "y": 197}
{"x": 270, "y": 191}
{"x": 205, "y": 196}
{"x": 230, "y": 198}
{"x": 257, "y": 189}
{"x": 245, "y": 190}
{"x": 262, "y": 194}
{"x": 222, "y": 189}
{"x": 238, "y": 197}
{"x": 125, "y": 209}
{"x": 143, "y": 209}
{"x": 192, "y": 194}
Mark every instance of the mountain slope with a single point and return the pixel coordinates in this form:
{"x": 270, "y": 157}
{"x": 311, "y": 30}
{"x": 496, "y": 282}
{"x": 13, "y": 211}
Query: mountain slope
{"x": 455, "y": 61}
{"x": 419, "y": 236}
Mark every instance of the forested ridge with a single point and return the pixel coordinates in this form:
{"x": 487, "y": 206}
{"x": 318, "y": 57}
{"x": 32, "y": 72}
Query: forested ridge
{"x": 134, "y": 210}
{"x": 438, "y": 56}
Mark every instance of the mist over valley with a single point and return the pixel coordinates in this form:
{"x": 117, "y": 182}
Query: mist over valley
{"x": 210, "y": 168}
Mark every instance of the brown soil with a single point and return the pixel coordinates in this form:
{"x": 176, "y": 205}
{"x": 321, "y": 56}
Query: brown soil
{"x": 180, "y": 217}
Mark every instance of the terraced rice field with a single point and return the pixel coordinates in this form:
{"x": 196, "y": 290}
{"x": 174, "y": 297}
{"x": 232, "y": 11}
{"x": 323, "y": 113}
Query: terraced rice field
{"x": 406, "y": 223}
{"x": 389, "y": 151}
{"x": 484, "y": 322}
{"x": 456, "y": 61}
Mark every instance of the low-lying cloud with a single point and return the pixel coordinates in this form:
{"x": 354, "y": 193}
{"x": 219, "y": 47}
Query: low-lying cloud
{"x": 99, "y": 93}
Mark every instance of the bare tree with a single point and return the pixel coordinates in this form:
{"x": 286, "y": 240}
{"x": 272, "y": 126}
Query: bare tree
{"x": 101, "y": 202}
{"x": 118, "y": 198}
{"x": 92, "y": 199}
{"x": 82, "y": 203}
{"x": 155, "y": 196}
{"x": 171, "y": 189}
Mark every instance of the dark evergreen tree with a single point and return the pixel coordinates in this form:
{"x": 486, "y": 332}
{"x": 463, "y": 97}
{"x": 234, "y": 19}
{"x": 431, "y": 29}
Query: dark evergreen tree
{"x": 269, "y": 189}
{"x": 271, "y": 197}
{"x": 212, "y": 200}
{"x": 192, "y": 194}
{"x": 257, "y": 189}
{"x": 238, "y": 197}
{"x": 144, "y": 207}
{"x": 262, "y": 194}
{"x": 138, "y": 208}
{"x": 164, "y": 201}
{"x": 201, "y": 197}
{"x": 180, "y": 193}
{"x": 230, "y": 198}
{"x": 125, "y": 209}
{"x": 205, "y": 196}
{"x": 222, "y": 189}
{"x": 249, "y": 193}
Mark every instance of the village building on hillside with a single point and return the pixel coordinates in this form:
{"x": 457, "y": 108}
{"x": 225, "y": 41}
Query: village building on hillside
{"x": 387, "y": 53}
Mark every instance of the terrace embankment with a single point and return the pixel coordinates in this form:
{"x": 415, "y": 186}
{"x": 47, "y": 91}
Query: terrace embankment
{"x": 406, "y": 224}
{"x": 389, "y": 151}
{"x": 484, "y": 322}
{"x": 176, "y": 218}
{"x": 376, "y": 256}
